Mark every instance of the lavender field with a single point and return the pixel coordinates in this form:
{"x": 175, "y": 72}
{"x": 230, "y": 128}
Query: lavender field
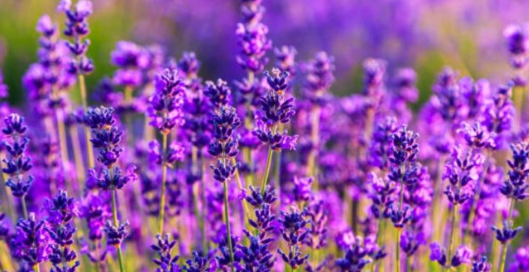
{"x": 264, "y": 135}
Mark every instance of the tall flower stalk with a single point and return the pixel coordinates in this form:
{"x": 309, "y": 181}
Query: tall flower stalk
{"x": 17, "y": 163}
{"x": 319, "y": 78}
{"x": 276, "y": 108}
{"x": 77, "y": 29}
{"x": 514, "y": 188}
{"x": 106, "y": 138}
{"x": 225, "y": 147}
{"x": 165, "y": 112}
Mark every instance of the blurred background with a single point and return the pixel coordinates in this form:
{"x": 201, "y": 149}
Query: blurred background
{"x": 424, "y": 34}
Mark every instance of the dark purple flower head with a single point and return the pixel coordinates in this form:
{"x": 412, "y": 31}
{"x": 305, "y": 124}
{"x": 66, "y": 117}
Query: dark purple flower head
{"x": 481, "y": 265}
{"x": 76, "y": 29}
{"x": 166, "y": 103}
{"x": 507, "y": 233}
{"x": 356, "y": 256}
{"x": 515, "y": 186}
{"x": 405, "y": 147}
{"x": 188, "y": 65}
{"x": 115, "y": 179}
{"x": 16, "y": 162}
{"x": 223, "y": 171}
{"x": 61, "y": 208}
{"x": 275, "y": 139}
{"x": 257, "y": 199}
{"x": 517, "y": 37}
{"x": 129, "y": 55}
{"x": 199, "y": 263}
{"x": 275, "y": 108}
{"x": 400, "y": 217}
{"x": 461, "y": 173}
{"x": 115, "y": 235}
{"x": 76, "y": 24}
{"x": 219, "y": 94}
{"x": 225, "y": 122}
{"x": 166, "y": 262}
{"x": 30, "y": 243}
{"x": 14, "y": 125}
{"x": 100, "y": 118}
{"x": 277, "y": 80}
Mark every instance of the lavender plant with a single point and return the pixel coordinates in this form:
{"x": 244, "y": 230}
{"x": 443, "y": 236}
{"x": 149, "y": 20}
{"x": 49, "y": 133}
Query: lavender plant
{"x": 355, "y": 163}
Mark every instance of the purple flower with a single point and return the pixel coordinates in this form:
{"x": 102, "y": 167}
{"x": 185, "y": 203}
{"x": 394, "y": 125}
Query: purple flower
{"x": 319, "y": 77}
{"x": 521, "y": 260}
{"x": 294, "y": 231}
{"x": 30, "y": 243}
{"x": 76, "y": 29}
{"x": 131, "y": 60}
{"x": 166, "y": 262}
{"x": 515, "y": 186}
{"x": 437, "y": 254}
{"x": 115, "y": 235}
{"x": 253, "y": 44}
{"x": 356, "y": 256}
{"x": 285, "y": 56}
{"x": 219, "y": 94}
{"x": 106, "y": 136}
{"x": 16, "y": 163}
{"x": 166, "y": 103}
{"x": 463, "y": 256}
{"x": 517, "y": 38}
{"x": 507, "y": 233}
{"x": 477, "y": 136}
{"x": 461, "y": 173}
{"x": 481, "y": 265}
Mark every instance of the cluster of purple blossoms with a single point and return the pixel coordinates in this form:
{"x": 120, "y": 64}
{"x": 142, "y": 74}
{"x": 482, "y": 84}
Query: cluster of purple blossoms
{"x": 76, "y": 29}
{"x": 165, "y": 110}
{"x": 16, "y": 163}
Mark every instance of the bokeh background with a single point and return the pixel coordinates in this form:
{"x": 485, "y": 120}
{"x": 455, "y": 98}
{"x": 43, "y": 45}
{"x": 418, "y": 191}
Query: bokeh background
{"x": 424, "y": 34}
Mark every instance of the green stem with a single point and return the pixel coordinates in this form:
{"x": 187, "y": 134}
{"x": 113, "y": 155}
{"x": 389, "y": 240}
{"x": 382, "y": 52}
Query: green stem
{"x": 267, "y": 170}
{"x": 164, "y": 177}
{"x": 24, "y": 207}
{"x": 397, "y": 259}
{"x": 78, "y": 157}
{"x": 227, "y": 219}
{"x": 505, "y": 246}
{"x": 453, "y": 230}
{"x": 116, "y": 224}
{"x": 36, "y": 268}
{"x": 90, "y": 151}
{"x": 380, "y": 241}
